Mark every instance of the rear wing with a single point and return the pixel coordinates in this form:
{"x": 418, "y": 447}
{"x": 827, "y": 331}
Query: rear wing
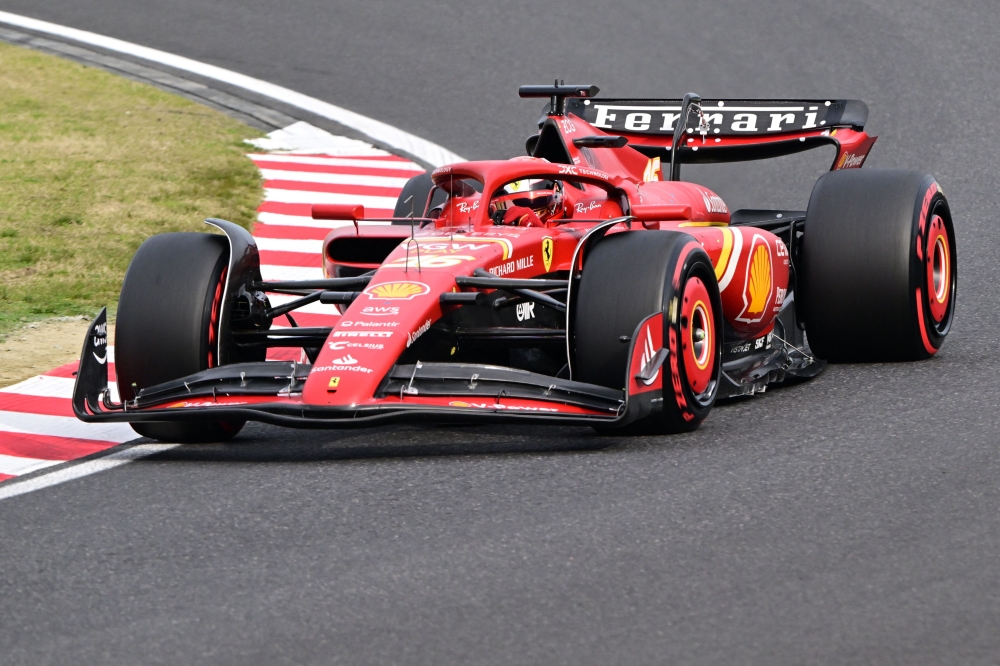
{"x": 731, "y": 130}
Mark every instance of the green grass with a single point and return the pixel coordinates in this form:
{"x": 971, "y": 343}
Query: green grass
{"x": 91, "y": 165}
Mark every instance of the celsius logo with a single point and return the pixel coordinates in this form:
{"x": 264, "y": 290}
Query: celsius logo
{"x": 343, "y": 344}
{"x": 714, "y": 203}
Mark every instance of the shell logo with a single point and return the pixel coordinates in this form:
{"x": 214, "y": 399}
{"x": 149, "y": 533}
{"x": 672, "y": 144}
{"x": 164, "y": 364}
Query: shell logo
{"x": 458, "y": 403}
{"x": 760, "y": 276}
{"x": 397, "y": 291}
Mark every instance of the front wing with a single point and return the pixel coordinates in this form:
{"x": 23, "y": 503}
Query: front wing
{"x": 271, "y": 392}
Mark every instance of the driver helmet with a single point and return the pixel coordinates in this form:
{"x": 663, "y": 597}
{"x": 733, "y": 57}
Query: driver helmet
{"x": 544, "y": 197}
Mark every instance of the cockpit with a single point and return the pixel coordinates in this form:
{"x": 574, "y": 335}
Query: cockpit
{"x": 525, "y": 202}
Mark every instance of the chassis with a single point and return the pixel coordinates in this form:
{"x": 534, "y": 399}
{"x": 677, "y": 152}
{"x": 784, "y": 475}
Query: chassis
{"x": 633, "y": 308}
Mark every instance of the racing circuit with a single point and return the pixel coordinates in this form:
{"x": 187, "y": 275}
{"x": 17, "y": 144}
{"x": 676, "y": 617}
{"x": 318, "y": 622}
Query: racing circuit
{"x": 852, "y": 518}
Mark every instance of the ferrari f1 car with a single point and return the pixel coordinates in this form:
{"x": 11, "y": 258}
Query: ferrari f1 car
{"x": 583, "y": 283}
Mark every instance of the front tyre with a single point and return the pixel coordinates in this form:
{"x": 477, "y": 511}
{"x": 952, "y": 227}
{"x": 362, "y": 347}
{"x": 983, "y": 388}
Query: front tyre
{"x": 629, "y": 276}
{"x": 878, "y": 266}
{"x": 168, "y": 323}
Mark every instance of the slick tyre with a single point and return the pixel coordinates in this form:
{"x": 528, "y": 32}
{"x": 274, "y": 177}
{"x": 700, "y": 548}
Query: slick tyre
{"x": 168, "y": 321}
{"x": 878, "y": 265}
{"x": 413, "y": 198}
{"x": 627, "y": 277}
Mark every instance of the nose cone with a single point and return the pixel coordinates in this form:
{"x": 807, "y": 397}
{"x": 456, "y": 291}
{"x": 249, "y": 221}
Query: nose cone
{"x": 372, "y": 333}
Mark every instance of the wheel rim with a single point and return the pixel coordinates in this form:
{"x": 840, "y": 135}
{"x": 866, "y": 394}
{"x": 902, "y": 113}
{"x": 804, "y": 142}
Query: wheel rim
{"x": 939, "y": 270}
{"x": 698, "y": 335}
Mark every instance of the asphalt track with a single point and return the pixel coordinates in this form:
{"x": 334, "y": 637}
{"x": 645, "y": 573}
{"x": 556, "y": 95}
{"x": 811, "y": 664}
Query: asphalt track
{"x": 852, "y": 519}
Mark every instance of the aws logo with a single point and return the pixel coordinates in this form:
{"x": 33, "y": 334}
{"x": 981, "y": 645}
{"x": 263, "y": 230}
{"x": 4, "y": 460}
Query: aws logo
{"x": 759, "y": 281}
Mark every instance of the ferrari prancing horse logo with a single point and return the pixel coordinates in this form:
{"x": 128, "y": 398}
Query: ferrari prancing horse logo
{"x": 547, "y": 247}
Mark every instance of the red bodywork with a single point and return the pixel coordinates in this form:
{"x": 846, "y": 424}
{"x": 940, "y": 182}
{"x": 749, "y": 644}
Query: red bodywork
{"x": 403, "y": 299}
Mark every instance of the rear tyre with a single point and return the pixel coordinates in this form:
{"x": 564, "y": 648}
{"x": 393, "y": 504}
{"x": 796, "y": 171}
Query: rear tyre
{"x": 419, "y": 188}
{"x": 167, "y": 324}
{"x": 629, "y": 276}
{"x": 878, "y": 266}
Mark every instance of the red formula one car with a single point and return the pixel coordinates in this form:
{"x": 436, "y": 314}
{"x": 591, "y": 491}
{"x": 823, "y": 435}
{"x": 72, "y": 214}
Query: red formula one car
{"x": 584, "y": 283}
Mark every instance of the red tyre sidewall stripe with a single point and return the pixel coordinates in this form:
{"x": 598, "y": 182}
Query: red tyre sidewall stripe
{"x": 695, "y": 295}
{"x": 675, "y": 371}
{"x": 931, "y": 349}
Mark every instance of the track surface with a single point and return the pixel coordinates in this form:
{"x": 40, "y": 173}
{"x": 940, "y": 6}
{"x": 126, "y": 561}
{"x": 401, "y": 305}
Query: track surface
{"x": 852, "y": 519}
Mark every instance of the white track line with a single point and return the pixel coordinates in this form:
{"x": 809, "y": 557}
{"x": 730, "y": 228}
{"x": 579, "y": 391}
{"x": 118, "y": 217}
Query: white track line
{"x": 43, "y": 386}
{"x": 65, "y": 426}
{"x": 337, "y": 162}
{"x": 275, "y": 273}
{"x": 313, "y": 197}
{"x": 311, "y": 247}
{"x": 381, "y": 132}
{"x": 75, "y": 471}
{"x": 332, "y": 178}
{"x": 18, "y": 466}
